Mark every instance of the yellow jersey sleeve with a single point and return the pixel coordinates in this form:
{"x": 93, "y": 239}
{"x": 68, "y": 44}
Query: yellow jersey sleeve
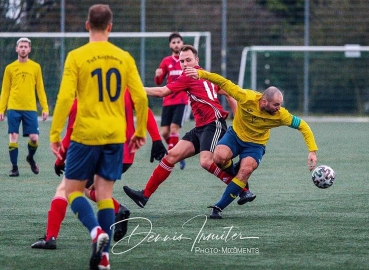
{"x": 40, "y": 89}
{"x": 5, "y": 90}
{"x": 252, "y": 124}
{"x": 297, "y": 123}
{"x": 226, "y": 85}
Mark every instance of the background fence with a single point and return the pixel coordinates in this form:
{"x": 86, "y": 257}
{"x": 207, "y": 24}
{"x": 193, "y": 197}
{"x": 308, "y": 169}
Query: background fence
{"x": 314, "y": 79}
{"x": 233, "y": 25}
{"x": 148, "y": 49}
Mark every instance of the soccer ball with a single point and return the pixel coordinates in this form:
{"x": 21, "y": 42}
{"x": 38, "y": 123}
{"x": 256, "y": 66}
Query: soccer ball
{"x": 323, "y": 176}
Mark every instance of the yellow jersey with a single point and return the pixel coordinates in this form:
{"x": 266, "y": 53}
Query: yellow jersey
{"x": 21, "y": 82}
{"x": 252, "y": 124}
{"x": 97, "y": 74}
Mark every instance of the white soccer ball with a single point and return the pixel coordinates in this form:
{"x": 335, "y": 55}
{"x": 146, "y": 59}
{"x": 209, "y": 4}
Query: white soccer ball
{"x": 323, "y": 176}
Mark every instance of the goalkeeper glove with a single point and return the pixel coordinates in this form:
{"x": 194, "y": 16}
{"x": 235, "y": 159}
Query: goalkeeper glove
{"x": 158, "y": 151}
{"x": 59, "y": 169}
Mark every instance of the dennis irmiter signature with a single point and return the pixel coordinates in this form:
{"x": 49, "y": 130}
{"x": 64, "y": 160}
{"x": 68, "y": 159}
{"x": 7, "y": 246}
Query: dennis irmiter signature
{"x": 230, "y": 233}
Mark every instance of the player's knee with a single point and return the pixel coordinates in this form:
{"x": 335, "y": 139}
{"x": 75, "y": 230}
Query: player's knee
{"x": 33, "y": 138}
{"x": 245, "y": 171}
{"x": 206, "y": 164}
{"x": 220, "y": 160}
{"x": 60, "y": 190}
{"x": 164, "y": 132}
{"x": 13, "y": 137}
{"x": 174, "y": 129}
{"x": 173, "y": 156}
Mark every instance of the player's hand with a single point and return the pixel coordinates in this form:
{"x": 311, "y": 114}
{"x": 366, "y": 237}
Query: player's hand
{"x": 59, "y": 169}
{"x": 191, "y": 72}
{"x": 44, "y": 116}
{"x": 158, "y": 151}
{"x": 136, "y": 143}
{"x": 158, "y": 72}
{"x": 312, "y": 159}
{"x": 55, "y": 149}
{"x": 1, "y": 117}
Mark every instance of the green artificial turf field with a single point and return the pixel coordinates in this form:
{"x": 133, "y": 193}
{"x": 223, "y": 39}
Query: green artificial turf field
{"x": 291, "y": 225}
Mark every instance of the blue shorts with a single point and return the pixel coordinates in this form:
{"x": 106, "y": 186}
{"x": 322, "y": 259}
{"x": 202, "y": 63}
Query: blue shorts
{"x": 29, "y": 122}
{"x": 240, "y": 148}
{"x": 84, "y": 161}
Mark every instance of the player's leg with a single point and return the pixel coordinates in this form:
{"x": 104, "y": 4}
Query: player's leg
{"x": 105, "y": 215}
{"x": 90, "y": 192}
{"x": 14, "y": 119}
{"x": 122, "y": 216}
{"x": 250, "y": 156}
{"x": 234, "y": 188}
{"x": 165, "y": 124}
{"x": 210, "y": 135}
{"x": 178, "y": 115}
{"x": 253, "y": 150}
{"x": 56, "y": 215}
{"x": 81, "y": 165}
{"x": 183, "y": 149}
{"x": 121, "y": 212}
{"x": 30, "y": 129}
{"x": 108, "y": 170}
{"x": 229, "y": 147}
{"x": 245, "y": 195}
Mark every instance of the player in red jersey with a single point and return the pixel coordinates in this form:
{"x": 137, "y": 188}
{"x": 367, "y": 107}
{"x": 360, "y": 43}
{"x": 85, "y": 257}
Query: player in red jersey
{"x": 210, "y": 126}
{"x": 175, "y": 104}
{"x": 59, "y": 203}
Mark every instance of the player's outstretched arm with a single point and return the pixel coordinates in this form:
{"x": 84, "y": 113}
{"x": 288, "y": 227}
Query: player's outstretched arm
{"x": 226, "y": 85}
{"x": 231, "y": 101}
{"x": 158, "y": 91}
{"x": 308, "y": 135}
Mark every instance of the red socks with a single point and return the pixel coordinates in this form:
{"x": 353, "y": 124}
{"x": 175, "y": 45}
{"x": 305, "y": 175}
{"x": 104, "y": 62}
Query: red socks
{"x": 225, "y": 177}
{"x": 161, "y": 172}
{"x": 56, "y": 214}
{"x": 173, "y": 140}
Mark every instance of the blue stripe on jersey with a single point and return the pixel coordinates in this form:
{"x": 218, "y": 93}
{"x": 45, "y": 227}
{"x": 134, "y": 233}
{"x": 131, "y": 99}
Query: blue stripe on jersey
{"x": 295, "y": 122}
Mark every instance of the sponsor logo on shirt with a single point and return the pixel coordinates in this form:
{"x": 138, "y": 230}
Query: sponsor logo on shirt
{"x": 175, "y": 72}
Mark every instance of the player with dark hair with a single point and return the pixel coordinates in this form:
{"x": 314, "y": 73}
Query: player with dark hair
{"x": 175, "y": 104}
{"x": 210, "y": 127}
{"x": 97, "y": 74}
{"x": 58, "y": 205}
{"x": 22, "y": 80}
{"x": 256, "y": 114}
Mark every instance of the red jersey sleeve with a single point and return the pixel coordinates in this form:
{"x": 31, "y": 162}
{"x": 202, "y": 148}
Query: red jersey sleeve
{"x": 128, "y": 157}
{"x": 68, "y": 133}
{"x": 152, "y": 127}
{"x": 159, "y": 79}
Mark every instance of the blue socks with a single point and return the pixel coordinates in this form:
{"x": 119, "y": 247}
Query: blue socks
{"x": 231, "y": 192}
{"x": 83, "y": 210}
